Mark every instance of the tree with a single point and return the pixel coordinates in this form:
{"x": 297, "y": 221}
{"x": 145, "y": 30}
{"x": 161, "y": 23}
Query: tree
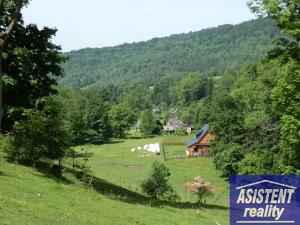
{"x": 121, "y": 118}
{"x": 97, "y": 120}
{"x": 156, "y": 186}
{"x": 285, "y": 94}
{"x": 10, "y": 14}
{"x": 257, "y": 163}
{"x": 148, "y": 123}
{"x": 29, "y": 59}
{"x": 286, "y": 13}
{"x": 137, "y": 96}
{"x": 191, "y": 88}
{"x": 75, "y": 103}
{"x": 43, "y": 136}
{"x": 228, "y": 157}
{"x": 286, "y": 103}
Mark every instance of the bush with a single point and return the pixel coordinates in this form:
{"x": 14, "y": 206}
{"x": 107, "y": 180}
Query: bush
{"x": 203, "y": 192}
{"x": 5, "y": 144}
{"x": 156, "y": 186}
{"x": 257, "y": 163}
{"x": 181, "y": 132}
{"x": 43, "y": 136}
{"x": 228, "y": 158}
{"x": 200, "y": 188}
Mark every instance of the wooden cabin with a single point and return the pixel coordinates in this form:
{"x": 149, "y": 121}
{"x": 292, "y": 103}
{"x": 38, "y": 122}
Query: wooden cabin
{"x": 201, "y": 143}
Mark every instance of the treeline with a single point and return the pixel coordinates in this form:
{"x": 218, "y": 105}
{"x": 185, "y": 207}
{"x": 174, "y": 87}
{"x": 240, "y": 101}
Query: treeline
{"x": 255, "y": 112}
{"x": 97, "y": 114}
{"x": 239, "y": 110}
{"x": 210, "y": 52}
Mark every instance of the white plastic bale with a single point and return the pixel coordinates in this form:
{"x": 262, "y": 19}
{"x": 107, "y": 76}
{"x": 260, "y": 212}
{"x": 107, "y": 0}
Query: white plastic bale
{"x": 152, "y": 148}
{"x": 157, "y": 148}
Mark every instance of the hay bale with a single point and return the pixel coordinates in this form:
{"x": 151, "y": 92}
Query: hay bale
{"x": 199, "y": 180}
{"x": 198, "y": 183}
{"x": 191, "y": 186}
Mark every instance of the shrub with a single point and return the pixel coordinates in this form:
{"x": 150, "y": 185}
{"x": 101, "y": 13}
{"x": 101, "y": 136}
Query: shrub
{"x": 44, "y": 135}
{"x": 181, "y": 131}
{"x": 228, "y": 158}
{"x": 5, "y": 144}
{"x": 156, "y": 186}
{"x": 200, "y": 188}
{"x": 203, "y": 192}
{"x": 260, "y": 162}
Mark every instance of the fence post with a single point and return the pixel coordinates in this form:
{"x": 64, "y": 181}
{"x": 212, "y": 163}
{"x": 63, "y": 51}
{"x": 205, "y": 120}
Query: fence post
{"x": 185, "y": 189}
{"x": 73, "y": 158}
{"x": 163, "y": 147}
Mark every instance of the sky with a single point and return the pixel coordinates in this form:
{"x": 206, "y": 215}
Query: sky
{"x": 102, "y": 23}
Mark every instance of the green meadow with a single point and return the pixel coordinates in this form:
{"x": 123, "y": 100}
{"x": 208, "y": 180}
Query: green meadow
{"x": 29, "y": 197}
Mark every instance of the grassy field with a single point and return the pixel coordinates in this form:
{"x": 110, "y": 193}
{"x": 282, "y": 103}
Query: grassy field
{"x": 29, "y": 197}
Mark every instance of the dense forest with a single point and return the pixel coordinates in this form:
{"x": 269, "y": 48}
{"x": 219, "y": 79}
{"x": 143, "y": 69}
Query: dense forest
{"x": 210, "y": 51}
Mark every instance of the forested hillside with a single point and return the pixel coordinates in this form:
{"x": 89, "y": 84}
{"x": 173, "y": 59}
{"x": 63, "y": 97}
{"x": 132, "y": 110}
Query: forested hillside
{"x": 210, "y": 51}
{"x": 85, "y": 143}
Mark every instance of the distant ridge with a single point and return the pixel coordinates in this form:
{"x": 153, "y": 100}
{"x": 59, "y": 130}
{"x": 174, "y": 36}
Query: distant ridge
{"x": 210, "y": 51}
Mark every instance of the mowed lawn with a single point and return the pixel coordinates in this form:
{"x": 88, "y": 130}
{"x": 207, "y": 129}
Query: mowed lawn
{"x": 29, "y": 197}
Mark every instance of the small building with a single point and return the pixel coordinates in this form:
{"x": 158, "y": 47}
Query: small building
{"x": 201, "y": 143}
{"x": 189, "y": 130}
{"x": 173, "y": 124}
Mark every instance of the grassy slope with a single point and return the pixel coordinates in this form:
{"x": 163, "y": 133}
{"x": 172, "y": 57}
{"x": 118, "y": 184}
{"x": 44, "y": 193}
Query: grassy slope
{"x": 121, "y": 171}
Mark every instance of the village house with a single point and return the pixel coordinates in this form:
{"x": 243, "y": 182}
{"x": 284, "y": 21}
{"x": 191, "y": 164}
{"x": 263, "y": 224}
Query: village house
{"x": 201, "y": 143}
{"x": 173, "y": 124}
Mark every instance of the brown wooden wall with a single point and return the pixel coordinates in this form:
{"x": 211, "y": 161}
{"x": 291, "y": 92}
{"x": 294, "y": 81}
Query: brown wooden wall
{"x": 207, "y": 138}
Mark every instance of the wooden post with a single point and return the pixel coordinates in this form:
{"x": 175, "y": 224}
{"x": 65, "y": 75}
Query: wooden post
{"x": 163, "y": 147}
{"x": 73, "y": 156}
{"x": 185, "y": 189}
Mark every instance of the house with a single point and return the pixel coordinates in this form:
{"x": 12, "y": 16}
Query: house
{"x": 201, "y": 143}
{"x": 173, "y": 124}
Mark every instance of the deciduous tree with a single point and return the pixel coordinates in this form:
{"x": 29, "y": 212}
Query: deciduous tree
{"x": 30, "y": 66}
{"x": 10, "y": 14}
{"x": 121, "y": 118}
